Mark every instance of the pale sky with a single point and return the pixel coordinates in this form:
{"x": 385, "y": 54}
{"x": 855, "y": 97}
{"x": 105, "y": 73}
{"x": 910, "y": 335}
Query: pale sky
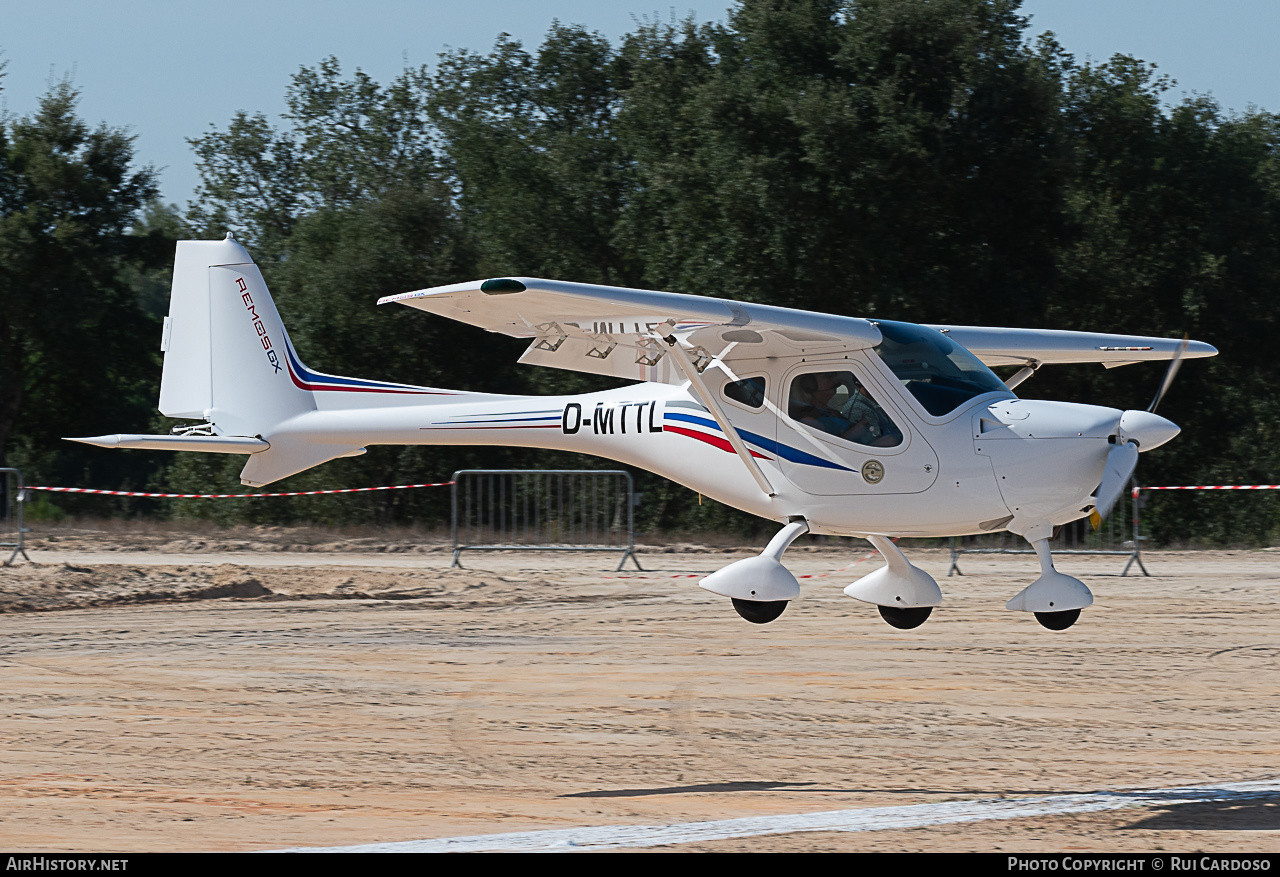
{"x": 167, "y": 70}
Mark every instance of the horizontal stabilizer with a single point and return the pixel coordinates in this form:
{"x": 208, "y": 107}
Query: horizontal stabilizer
{"x": 210, "y": 444}
{"x": 288, "y": 456}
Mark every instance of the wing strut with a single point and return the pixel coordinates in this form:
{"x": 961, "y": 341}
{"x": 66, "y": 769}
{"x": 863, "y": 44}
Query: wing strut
{"x": 1025, "y": 372}
{"x": 681, "y": 359}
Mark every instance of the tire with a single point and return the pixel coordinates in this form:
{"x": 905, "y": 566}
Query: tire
{"x": 905, "y": 619}
{"x": 758, "y": 612}
{"x": 1058, "y": 620}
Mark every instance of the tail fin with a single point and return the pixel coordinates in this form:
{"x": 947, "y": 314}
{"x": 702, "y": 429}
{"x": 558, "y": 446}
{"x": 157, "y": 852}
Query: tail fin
{"x": 225, "y": 347}
{"x": 229, "y": 361}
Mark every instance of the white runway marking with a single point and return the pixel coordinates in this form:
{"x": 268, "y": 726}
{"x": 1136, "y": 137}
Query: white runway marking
{"x": 604, "y": 837}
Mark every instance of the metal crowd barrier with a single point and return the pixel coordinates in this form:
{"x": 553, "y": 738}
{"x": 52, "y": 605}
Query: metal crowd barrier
{"x": 544, "y": 510}
{"x": 12, "y": 529}
{"x": 1120, "y": 535}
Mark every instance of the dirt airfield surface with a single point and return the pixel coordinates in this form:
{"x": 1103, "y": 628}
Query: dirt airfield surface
{"x": 268, "y": 689}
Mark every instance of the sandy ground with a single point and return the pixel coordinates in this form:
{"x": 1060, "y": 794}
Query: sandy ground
{"x": 270, "y": 689}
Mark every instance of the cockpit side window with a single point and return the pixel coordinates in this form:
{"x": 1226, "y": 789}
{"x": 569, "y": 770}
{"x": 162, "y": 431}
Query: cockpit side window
{"x": 837, "y": 403}
{"x": 939, "y": 373}
{"x": 748, "y": 391}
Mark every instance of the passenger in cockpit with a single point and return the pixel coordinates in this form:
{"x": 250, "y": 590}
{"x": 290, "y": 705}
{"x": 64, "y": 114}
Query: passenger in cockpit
{"x": 856, "y": 418}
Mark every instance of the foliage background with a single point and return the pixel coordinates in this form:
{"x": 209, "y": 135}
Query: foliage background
{"x": 910, "y": 159}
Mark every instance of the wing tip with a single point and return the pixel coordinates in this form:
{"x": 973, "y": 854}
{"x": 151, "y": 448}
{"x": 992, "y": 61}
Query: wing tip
{"x": 101, "y": 441}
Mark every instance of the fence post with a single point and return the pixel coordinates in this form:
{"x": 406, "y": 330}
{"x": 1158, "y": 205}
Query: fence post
{"x": 1136, "y": 557}
{"x": 453, "y": 503}
{"x": 14, "y": 499}
{"x": 955, "y": 555}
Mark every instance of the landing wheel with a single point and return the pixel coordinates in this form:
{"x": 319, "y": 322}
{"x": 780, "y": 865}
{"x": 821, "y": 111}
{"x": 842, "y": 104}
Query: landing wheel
{"x": 905, "y": 619}
{"x": 758, "y": 612}
{"x": 1058, "y": 620}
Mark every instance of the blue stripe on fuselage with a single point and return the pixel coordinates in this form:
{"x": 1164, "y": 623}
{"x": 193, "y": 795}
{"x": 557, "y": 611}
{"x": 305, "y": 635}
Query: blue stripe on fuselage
{"x": 786, "y": 452}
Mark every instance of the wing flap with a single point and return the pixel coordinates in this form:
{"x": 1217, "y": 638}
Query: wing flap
{"x": 604, "y": 355}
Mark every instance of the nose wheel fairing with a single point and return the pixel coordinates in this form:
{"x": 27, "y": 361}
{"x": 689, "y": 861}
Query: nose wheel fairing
{"x": 1054, "y": 598}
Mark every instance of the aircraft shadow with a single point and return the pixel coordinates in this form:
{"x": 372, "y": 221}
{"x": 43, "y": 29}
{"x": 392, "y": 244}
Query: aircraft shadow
{"x": 1247, "y": 812}
{"x": 790, "y": 787}
{"x": 684, "y": 790}
{"x": 1260, "y": 814}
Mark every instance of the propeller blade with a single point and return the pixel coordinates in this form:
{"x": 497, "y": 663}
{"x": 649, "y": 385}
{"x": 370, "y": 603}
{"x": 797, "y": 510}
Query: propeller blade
{"x": 1174, "y": 365}
{"x": 1121, "y": 461}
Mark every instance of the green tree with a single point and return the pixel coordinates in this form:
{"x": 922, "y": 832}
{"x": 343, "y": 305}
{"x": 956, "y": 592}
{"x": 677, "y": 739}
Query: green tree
{"x": 250, "y": 184}
{"x": 75, "y": 347}
{"x": 540, "y": 174}
{"x": 1177, "y": 230}
{"x": 898, "y": 158}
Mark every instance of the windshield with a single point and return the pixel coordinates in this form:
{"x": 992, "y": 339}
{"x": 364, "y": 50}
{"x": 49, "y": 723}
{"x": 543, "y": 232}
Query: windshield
{"x": 941, "y": 374}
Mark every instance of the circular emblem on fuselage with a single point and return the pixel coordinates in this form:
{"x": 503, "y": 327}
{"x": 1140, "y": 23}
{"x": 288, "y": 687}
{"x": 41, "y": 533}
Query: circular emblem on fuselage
{"x": 873, "y": 471}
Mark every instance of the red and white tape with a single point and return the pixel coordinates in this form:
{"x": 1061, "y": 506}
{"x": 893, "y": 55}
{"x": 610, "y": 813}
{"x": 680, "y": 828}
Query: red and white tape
{"x": 233, "y": 495}
{"x": 1212, "y": 487}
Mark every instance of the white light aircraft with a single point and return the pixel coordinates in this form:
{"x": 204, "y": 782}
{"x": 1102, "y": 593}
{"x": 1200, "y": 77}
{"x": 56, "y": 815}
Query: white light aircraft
{"x": 825, "y": 424}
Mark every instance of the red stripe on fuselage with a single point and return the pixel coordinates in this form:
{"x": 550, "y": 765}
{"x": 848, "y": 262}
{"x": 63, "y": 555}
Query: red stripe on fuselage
{"x": 712, "y": 440}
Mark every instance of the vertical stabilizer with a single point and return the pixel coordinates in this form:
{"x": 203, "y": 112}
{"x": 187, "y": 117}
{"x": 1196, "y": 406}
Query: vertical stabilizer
{"x": 229, "y": 362}
{"x": 224, "y": 344}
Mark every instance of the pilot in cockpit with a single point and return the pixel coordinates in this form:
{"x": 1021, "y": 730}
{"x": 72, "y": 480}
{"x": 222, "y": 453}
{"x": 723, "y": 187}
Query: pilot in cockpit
{"x": 837, "y": 403}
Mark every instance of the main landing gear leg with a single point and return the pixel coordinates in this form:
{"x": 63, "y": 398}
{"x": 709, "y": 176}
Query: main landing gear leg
{"x": 904, "y": 593}
{"x": 760, "y": 587}
{"x": 1056, "y": 599}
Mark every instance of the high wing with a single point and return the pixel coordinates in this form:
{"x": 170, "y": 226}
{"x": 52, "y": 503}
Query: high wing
{"x": 611, "y": 330}
{"x": 997, "y": 346}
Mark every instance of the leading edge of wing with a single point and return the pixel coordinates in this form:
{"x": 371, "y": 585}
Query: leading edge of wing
{"x": 1000, "y": 346}
{"x": 518, "y": 312}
